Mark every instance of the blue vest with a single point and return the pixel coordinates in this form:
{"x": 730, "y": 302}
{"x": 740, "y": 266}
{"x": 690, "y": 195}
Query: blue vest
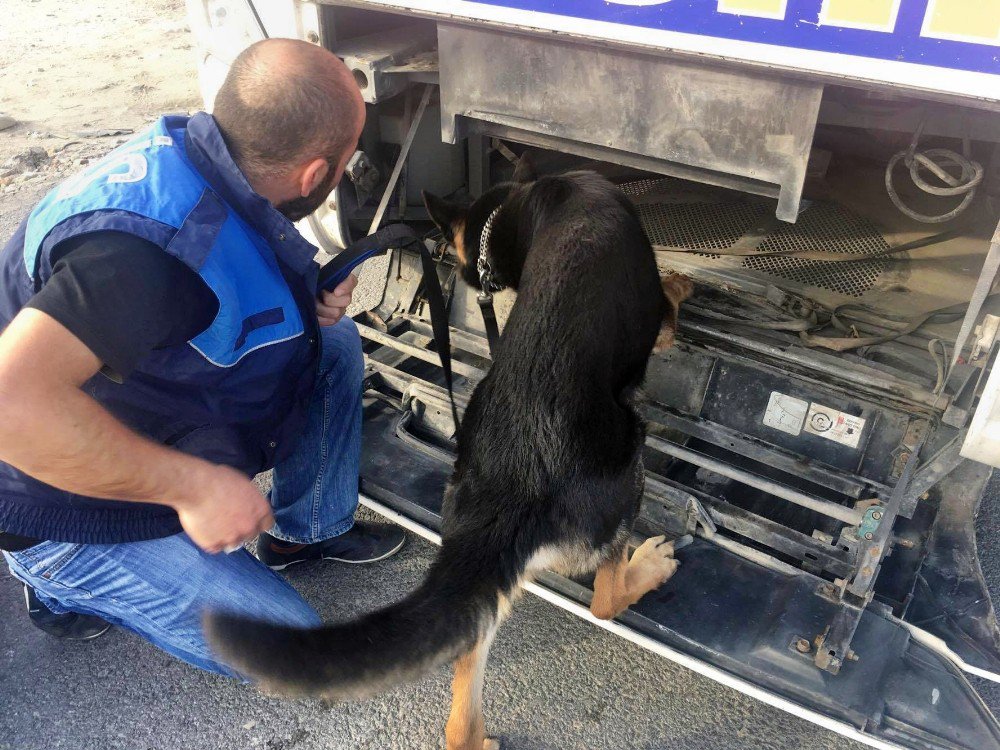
{"x": 235, "y": 394}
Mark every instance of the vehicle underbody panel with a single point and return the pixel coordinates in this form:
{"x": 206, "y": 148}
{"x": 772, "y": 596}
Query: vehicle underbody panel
{"x": 739, "y": 612}
{"x": 767, "y": 579}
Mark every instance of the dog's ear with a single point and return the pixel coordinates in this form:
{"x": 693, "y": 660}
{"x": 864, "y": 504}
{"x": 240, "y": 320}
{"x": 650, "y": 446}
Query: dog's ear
{"x": 448, "y": 216}
{"x": 525, "y": 169}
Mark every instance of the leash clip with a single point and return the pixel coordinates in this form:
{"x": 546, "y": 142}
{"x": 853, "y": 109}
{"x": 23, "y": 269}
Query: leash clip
{"x": 487, "y": 285}
{"x": 483, "y": 266}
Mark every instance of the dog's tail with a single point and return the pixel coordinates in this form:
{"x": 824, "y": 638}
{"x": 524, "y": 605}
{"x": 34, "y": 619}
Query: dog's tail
{"x": 455, "y": 606}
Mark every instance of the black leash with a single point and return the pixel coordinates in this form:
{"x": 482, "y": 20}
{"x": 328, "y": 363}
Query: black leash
{"x": 400, "y": 236}
{"x": 485, "y": 300}
{"x": 439, "y": 321}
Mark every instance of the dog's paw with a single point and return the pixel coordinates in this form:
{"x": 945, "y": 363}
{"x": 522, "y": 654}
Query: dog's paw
{"x": 488, "y": 744}
{"x": 677, "y": 287}
{"x": 665, "y": 340}
{"x": 652, "y": 564}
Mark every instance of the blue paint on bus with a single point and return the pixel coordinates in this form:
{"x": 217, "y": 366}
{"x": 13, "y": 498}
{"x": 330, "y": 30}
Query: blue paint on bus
{"x": 800, "y": 29}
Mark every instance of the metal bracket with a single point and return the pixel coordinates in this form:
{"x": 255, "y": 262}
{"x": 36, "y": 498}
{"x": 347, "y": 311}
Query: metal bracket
{"x": 363, "y": 174}
{"x": 701, "y": 517}
{"x": 855, "y": 593}
{"x": 940, "y": 465}
{"x": 870, "y": 523}
{"x": 986, "y": 334}
{"x": 377, "y": 60}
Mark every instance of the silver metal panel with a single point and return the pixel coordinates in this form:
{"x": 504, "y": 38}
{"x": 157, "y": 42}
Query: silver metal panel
{"x": 676, "y": 116}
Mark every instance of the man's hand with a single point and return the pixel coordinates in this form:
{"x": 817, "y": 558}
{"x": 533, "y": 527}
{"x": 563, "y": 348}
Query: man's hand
{"x": 331, "y": 306}
{"x": 224, "y": 511}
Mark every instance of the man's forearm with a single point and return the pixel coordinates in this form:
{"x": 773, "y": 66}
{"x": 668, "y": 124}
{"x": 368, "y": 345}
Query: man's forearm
{"x": 53, "y": 431}
{"x": 66, "y": 439}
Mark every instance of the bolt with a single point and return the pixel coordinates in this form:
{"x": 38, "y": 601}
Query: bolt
{"x": 867, "y": 572}
{"x": 803, "y": 646}
{"x": 312, "y": 37}
{"x": 877, "y": 515}
{"x": 869, "y": 536}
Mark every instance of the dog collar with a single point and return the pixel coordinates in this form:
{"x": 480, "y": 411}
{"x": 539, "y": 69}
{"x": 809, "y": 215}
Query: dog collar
{"x": 483, "y": 264}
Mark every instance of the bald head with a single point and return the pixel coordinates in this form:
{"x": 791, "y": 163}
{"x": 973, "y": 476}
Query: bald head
{"x": 284, "y": 103}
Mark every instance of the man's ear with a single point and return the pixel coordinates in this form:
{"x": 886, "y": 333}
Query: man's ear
{"x": 525, "y": 169}
{"x": 312, "y": 175}
{"x": 445, "y": 214}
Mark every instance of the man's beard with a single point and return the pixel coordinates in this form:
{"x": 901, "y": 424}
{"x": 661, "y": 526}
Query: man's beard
{"x": 299, "y": 208}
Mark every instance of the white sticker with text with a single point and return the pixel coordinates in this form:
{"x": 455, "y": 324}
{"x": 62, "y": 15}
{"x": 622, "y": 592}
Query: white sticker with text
{"x": 834, "y": 425}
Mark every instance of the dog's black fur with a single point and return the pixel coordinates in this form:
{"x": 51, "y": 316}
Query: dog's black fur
{"x": 549, "y": 470}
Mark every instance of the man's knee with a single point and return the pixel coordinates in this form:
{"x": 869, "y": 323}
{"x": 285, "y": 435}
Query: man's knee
{"x": 287, "y": 607}
{"x": 342, "y": 352}
{"x": 242, "y": 585}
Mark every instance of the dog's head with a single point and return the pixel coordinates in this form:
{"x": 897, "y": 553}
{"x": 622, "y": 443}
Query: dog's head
{"x": 462, "y": 226}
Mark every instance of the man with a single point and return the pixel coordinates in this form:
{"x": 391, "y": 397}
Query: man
{"x": 162, "y": 345}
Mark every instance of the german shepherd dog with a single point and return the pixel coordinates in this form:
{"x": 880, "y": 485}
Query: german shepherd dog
{"x": 549, "y": 471}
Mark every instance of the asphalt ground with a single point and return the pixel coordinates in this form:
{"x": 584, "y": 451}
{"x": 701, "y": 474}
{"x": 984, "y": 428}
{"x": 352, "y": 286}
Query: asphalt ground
{"x": 553, "y": 682}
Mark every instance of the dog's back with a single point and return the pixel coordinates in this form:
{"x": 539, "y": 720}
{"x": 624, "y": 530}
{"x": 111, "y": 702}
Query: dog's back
{"x": 550, "y": 431}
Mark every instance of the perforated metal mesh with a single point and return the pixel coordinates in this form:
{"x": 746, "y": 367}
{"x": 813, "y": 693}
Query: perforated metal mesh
{"x": 638, "y": 187}
{"x": 701, "y": 226}
{"x": 822, "y": 227}
{"x": 831, "y": 228}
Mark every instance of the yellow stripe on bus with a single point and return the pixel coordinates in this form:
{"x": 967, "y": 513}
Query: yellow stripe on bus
{"x": 878, "y": 15}
{"x": 963, "y": 20}
{"x": 760, "y": 8}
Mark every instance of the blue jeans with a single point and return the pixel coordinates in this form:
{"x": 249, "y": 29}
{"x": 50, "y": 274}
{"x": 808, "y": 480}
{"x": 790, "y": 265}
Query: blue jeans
{"x": 159, "y": 588}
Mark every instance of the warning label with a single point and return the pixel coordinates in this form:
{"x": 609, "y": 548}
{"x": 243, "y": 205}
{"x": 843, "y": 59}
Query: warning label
{"x": 834, "y": 425}
{"x": 793, "y": 415}
{"x": 785, "y": 413}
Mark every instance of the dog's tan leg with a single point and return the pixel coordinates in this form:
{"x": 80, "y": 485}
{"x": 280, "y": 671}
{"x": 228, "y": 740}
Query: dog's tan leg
{"x": 620, "y": 584}
{"x": 609, "y": 583}
{"x": 458, "y": 232}
{"x": 676, "y": 288}
{"x": 466, "y": 729}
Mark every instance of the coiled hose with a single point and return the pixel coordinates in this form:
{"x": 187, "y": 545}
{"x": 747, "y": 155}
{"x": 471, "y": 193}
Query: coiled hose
{"x": 935, "y": 161}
